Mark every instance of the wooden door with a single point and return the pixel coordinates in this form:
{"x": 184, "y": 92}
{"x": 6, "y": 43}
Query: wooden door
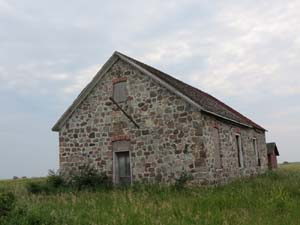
{"x": 122, "y": 167}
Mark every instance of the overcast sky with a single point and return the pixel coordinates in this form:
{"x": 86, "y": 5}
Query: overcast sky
{"x": 246, "y": 53}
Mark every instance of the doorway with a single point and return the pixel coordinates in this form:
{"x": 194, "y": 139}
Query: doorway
{"x": 122, "y": 167}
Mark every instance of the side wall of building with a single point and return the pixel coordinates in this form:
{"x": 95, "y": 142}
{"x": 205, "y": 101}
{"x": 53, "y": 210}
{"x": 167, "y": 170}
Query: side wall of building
{"x": 168, "y": 142}
{"x": 227, "y": 167}
{"x": 272, "y": 160}
{"x": 173, "y": 136}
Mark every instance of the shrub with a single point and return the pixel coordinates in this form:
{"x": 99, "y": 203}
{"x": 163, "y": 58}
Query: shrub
{"x": 54, "y": 180}
{"x": 7, "y": 203}
{"x": 89, "y": 178}
{"x": 35, "y": 187}
{"x": 53, "y": 183}
{"x": 182, "y": 180}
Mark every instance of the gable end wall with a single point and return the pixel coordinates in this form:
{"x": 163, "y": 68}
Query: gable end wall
{"x": 173, "y": 136}
{"x": 168, "y": 142}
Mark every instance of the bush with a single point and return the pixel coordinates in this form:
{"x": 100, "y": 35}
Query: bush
{"x": 53, "y": 183}
{"x": 182, "y": 180}
{"x": 89, "y": 178}
{"x": 54, "y": 180}
{"x": 35, "y": 187}
{"x": 7, "y": 203}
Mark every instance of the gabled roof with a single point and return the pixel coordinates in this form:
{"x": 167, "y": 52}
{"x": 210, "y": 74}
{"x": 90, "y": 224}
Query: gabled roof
{"x": 196, "y": 97}
{"x": 272, "y": 147}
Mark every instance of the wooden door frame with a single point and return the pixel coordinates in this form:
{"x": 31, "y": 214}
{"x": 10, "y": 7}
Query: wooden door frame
{"x": 115, "y": 167}
{"x": 240, "y": 151}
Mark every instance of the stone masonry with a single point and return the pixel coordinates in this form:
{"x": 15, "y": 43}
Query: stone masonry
{"x": 173, "y": 137}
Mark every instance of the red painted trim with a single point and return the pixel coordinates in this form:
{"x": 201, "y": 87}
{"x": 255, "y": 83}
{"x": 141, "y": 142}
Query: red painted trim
{"x": 120, "y": 79}
{"x": 120, "y": 138}
{"x": 238, "y": 130}
{"x": 216, "y": 125}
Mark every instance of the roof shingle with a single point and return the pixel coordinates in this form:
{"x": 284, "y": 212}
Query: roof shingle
{"x": 207, "y": 101}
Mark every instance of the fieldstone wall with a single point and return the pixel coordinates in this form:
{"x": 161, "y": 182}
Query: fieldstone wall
{"x": 173, "y": 136}
{"x": 228, "y": 151}
{"x": 168, "y": 142}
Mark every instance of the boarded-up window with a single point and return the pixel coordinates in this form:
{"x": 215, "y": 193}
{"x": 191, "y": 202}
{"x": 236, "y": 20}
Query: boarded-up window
{"x": 257, "y": 158}
{"x": 120, "y": 91}
{"x": 217, "y": 148}
{"x": 239, "y": 150}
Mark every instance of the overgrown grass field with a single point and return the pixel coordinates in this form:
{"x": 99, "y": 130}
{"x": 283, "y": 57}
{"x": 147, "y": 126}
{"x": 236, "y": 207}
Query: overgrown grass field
{"x": 273, "y": 198}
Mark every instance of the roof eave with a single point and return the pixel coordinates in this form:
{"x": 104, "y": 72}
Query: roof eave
{"x": 188, "y": 99}
{"x": 225, "y": 118}
{"x": 115, "y": 56}
{"x": 84, "y": 93}
{"x": 165, "y": 84}
{"x": 276, "y": 150}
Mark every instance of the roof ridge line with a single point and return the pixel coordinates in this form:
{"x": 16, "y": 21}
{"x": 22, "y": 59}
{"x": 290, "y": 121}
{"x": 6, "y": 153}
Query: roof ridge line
{"x": 197, "y": 89}
{"x": 193, "y": 95}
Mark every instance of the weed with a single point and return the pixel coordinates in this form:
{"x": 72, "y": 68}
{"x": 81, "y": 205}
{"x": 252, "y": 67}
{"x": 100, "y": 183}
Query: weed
{"x": 55, "y": 180}
{"x": 182, "y": 180}
{"x": 7, "y": 203}
{"x": 89, "y": 178}
{"x": 272, "y": 198}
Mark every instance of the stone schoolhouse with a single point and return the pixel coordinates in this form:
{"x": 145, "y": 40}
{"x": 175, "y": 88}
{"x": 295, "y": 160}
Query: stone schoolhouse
{"x": 136, "y": 123}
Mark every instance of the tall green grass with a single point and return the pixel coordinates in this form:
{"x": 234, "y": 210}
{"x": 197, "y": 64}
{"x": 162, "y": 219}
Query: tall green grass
{"x": 273, "y": 198}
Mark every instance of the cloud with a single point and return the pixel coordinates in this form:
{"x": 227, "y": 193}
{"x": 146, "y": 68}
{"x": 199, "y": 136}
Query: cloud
{"x": 222, "y": 48}
{"x": 5, "y": 7}
{"x": 80, "y": 80}
{"x": 244, "y": 52}
{"x": 249, "y": 47}
{"x": 285, "y": 113}
{"x": 248, "y": 50}
{"x": 168, "y": 51}
{"x": 59, "y": 76}
{"x": 31, "y": 77}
